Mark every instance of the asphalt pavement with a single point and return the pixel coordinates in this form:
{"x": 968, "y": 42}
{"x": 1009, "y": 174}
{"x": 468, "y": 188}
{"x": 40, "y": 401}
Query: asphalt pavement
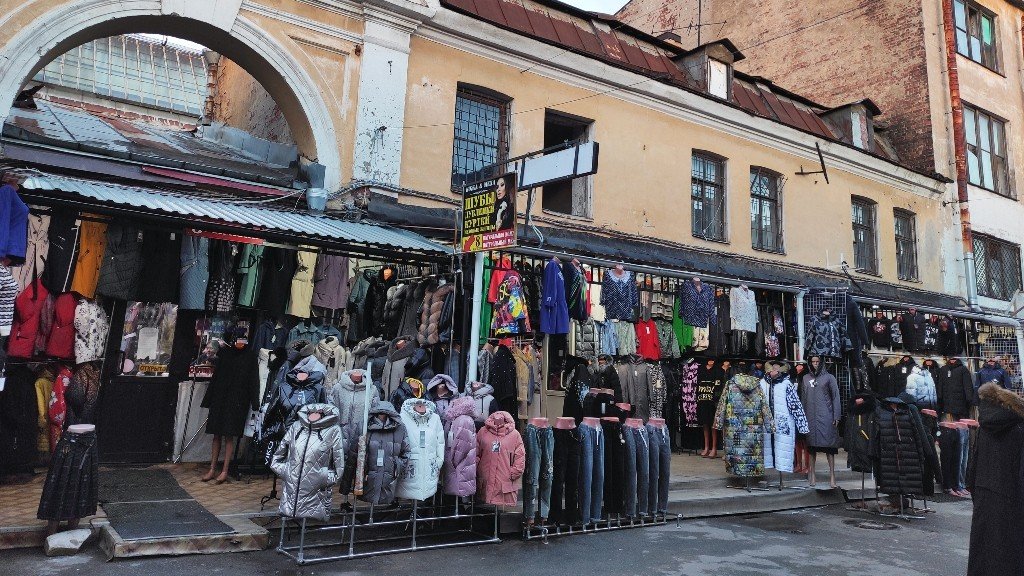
{"x": 813, "y": 542}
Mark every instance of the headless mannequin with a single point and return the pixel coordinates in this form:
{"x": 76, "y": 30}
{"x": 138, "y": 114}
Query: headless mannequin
{"x": 592, "y": 422}
{"x": 540, "y": 422}
{"x": 697, "y": 284}
{"x": 831, "y": 458}
{"x": 565, "y": 423}
{"x": 634, "y": 422}
{"x": 625, "y": 407}
{"x": 53, "y": 526}
{"x": 657, "y": 422}
{"x": 357, "y": 376}
{"x": 710, "y": 437}
{"x": 229, "y": 441}
{"x": 619, "y": 271}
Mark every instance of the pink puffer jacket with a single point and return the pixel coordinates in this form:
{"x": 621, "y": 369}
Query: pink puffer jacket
{"x": 460, "y": 453}
{"x": 501, "y": 460}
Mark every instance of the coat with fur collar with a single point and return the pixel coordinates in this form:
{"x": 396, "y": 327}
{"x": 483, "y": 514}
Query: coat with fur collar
{"x": 996, "y": 480}
{"x": 426, "y": 438}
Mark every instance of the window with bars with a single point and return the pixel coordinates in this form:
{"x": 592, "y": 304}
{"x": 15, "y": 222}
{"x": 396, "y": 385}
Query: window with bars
{"x": 998, "y": 265}
{"x": 708, "y": 196}
{"x": 865, "y": 243}
{"x": 765, "y": 209}
{"x": 481, "y": 135}
{"x": 976, "y": 33}
{"x": 986, "y": 151}
{"x": 906, "y": 245}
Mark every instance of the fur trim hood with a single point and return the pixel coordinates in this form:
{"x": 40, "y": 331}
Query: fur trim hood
{"x": 409, "y": 407}
{"x": 1000, "y": 408}
{"x": 462, "y": 406}
{"x": 385, "y": 408}
{"x": 500, "y": 423}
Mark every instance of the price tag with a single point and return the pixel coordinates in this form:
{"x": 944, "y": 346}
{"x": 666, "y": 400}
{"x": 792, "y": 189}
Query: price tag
{"x": 423, "y": 438}
{"x": 380, "y": 457}
{"x": 496, "y": 446}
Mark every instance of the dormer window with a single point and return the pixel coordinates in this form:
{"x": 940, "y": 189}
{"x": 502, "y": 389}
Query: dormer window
{"x": 710, "y": 67}
{"x": 718, "y": 79}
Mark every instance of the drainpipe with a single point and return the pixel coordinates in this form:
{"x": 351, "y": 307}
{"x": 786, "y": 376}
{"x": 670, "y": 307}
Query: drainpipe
{"x": 960, "y": 151}
{"x": 474, "y": 326}
{"x": 801, "y": 339}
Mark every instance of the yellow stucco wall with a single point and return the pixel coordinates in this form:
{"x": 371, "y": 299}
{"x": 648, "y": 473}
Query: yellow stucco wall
{"x": 643, "y": 184}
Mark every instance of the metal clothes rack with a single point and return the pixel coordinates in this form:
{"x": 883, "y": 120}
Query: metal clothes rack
{"x": 617, "y": 522}
{"x": 410, "y": 517}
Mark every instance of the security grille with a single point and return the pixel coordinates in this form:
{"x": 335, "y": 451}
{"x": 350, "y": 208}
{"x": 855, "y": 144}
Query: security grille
{"x": 998, "y": 265}
{"x": 481, "y": 136}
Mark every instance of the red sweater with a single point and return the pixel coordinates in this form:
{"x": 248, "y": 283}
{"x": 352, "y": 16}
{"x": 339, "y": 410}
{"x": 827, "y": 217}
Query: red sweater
{"x": 647, "y": 344}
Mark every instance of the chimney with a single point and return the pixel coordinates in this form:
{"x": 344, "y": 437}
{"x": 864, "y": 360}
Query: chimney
{"x": 854, "y": 123}
{"x": 710, "y": 66}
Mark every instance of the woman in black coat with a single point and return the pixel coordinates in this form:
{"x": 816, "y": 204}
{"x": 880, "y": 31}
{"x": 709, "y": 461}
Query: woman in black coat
{"x": 996, "y": 482}
{"x": 234, "y": 389}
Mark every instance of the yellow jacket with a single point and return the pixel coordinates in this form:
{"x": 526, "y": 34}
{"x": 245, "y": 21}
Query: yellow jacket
{"x": 92, "y": 243}
{"x": 44, "y": 387}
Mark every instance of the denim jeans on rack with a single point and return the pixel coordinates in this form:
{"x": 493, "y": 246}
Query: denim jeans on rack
{"x": 643, "y": 467}
{"x": 591, "y": 484}
{"x": 664, "y": 465}
{"x": 965, "y": 448}
{"x": 629, "y": 472}
{"x": 565, "y": 480}
{"x": 654, "y": 470}
{"x": 540, "y": 448}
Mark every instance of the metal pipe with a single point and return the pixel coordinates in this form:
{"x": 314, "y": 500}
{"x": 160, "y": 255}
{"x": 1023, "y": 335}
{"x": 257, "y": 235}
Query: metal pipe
{"x": 960, "y": 154}
{"x": 474, "y": 326}
{"x": 966, "y": 314}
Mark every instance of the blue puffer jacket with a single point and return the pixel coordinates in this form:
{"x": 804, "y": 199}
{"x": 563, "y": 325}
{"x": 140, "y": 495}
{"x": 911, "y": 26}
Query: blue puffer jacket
{"x": 991, "y": 373}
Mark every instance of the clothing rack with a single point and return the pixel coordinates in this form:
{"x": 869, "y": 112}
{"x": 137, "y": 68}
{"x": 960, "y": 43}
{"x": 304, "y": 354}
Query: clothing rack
{"x": 618, "y": 522}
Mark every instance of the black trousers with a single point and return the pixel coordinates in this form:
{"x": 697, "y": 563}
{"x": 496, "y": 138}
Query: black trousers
{"x": 564, "y": 484}
{"x": 949, "y": 457}
{"x": 614, "y": 469}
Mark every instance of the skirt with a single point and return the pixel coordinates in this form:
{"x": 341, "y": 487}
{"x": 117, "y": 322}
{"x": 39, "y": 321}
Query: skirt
{"x": 822, "y": 450}
{"x": 71, "y": 489}
{"x": 706, "y": 413}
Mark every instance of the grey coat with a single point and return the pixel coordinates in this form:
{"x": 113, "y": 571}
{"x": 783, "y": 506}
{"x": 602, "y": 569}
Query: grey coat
{"x": 585, "y": 336}
{"x": 823, "y": 407}
{"x": 387, "y": 454}
{"x": 309, "y": 462}
{"x": 636, "y": 388}
{"x": 394, "y": 368}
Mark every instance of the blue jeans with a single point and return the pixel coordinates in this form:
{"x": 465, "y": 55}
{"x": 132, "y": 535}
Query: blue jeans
{"x": 591, "y": 487}
{"x": 654, "y": 474}
{"x": 643, "y": 467}
{"x": 664, "y": 466}
{"x": 629, "y": 472}
{"x": 540, "y": 448}
{"x": 965, "y": 448}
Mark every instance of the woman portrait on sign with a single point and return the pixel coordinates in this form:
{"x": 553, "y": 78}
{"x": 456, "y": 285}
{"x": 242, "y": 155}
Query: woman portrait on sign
{"x": 504, "y": 205}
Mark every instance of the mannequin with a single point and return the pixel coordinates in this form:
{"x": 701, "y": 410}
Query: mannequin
{"x": 233, "y": 391}
{"x": 657, "y": 422}
{"x": 709, "y": 388}
{"x": 564, "y": 423}
{"x": 634, "y": 422}
{"x": 56, "y": 501}
{"x": 541, "y": 422}
{"x": 822, "y": 404}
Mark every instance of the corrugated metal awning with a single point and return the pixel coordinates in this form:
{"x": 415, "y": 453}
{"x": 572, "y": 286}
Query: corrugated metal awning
{"x": 251, "y": 217}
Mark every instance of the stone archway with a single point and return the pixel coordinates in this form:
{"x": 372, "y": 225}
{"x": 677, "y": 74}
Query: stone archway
{"x": 48, "y": 28}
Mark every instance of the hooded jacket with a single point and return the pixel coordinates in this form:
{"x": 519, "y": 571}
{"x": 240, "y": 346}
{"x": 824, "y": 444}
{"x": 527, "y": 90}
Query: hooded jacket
{"x": 441, "y": 403}
{"x": 823, "y": 406}
{"x": 994, "y": 373}
{"x": 426, "y": 440}
{"x": 859, "y": 427}
{"x": 356, "y": 307}
{"x": 309, "y": 461}
{"x": 404, "y": 392}
{"x": 996, "y": 480}
{"x": 483, "y": 400}
{"x": 394, "y": 308}
{"x": 387, "y": 454}
{"x": 459, "y": 471}
{"x": 921, "y": 387}
{"x": 290, "y": 394}
{"x": 899, "y": 450}
{"x": 790, "y": 419}
{"x": 502, "y": 460}
{"x": 744, "y": 416}
{"x": 947, "y": 341}
{"x": 399, "y": 351}
{"x": 362, "y": 350}
{"x": 351, "y": 401}
{"x": 954, "y": 389}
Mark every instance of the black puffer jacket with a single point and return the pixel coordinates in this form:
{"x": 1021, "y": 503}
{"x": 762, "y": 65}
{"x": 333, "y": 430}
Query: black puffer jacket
{"x": 122, "y": 263}
{"x": 859, "y": 427}
{"x": 409, "y": 322}
{"x": 897, "y": 450}
{"x": 954, "y": 388}
{"x": 608, "y": 377}
{"x": 387, "y": 444}
{"x": 394, "y": 308}
{"x": 376, "y": 300}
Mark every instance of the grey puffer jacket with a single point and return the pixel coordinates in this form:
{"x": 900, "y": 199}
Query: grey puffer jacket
{"x": 441, "y": 402}
{"x": 309, "y": 461}
{"x": 585, "y": 335}
{"x": 350, "y": 399}
{"x": 387, "y": 454}
{"x": 483, "y": 398}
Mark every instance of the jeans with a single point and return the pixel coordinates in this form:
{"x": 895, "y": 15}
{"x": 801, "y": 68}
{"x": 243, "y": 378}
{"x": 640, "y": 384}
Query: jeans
{"x": 664, "y": 465}
{"x": 654, "y": 472}
{"x": 591, "y": 481}
{"x": 629, "y": 473}
{"x": 565, "y": 486}
{"x": 540, "y": 448}
{"x": 643, "y": 467}
{"x": 965, "y": 448}
{"x": 613, "y": 475}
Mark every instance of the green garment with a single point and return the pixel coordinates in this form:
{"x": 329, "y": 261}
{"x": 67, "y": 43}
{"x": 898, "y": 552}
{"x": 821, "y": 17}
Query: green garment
{"x": 485, "y": 307}
{"x": 249, "y": 267}
{"x": 684, "y": 332}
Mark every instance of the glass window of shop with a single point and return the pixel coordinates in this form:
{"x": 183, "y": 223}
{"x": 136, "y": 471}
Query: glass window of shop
{"x": 708, "y": 196}
{"x": 765, "y": 209}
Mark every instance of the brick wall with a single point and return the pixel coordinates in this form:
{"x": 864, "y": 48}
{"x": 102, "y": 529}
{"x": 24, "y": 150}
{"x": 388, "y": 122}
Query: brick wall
{"x": 241, "y": 102}
{"x": 875, "y": 51}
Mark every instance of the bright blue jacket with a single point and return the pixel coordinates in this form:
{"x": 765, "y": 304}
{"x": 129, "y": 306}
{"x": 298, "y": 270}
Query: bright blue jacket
{"x": 554, "y": 310}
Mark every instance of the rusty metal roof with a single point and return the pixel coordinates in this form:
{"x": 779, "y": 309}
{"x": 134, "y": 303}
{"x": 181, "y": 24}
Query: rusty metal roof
{"x": 76, "y": 129}
{"x": 602, "y": 37}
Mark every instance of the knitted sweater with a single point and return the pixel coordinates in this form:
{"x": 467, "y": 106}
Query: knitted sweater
{"x": 619, "y": 296}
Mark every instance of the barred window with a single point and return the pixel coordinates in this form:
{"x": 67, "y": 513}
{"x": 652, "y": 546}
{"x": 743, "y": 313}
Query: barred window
{"x": 998, "y": 265}
{"x": 708, "y": 196}
{"x": 976, "y": 33}
{"x": 986, "y": 151}
{"x": 481, "y": 135}
{"x": 906, "y": 244}
{"x": 765, "y": 209}
{"x": 865, "y": 244}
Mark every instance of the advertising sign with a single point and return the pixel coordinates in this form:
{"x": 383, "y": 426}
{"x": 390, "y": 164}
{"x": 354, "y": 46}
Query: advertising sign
{"x": 489, "y": 214}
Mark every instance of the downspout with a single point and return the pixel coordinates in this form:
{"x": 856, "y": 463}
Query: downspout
{"x": 960, "y": 151}
{"x": 801, "y": 338}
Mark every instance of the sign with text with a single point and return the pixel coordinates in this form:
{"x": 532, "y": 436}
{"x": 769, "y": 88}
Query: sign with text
{"x": 489, "y": 214}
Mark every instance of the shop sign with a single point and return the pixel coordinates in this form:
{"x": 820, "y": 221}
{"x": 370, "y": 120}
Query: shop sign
{"x": 489, "y": 214}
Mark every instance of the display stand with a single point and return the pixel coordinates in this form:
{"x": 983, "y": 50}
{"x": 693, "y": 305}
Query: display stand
{"x": 746, "y": 485}
{"x": 361, "y": 518}
{"x": 617, "y": 522}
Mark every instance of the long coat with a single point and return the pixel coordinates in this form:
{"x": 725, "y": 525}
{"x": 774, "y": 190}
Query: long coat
{"x": 460, "y": 455}
{"x": 743, "y": 416}
{"x": 426, "y": 438}
{"x": 788, "y": 415}
{"x": 996, "y": 481}
{"x": 387, "y": 454}
{"x": 234, "y": 389}
{"x": 309, "y": 462}
{"x": 823, "y": 406}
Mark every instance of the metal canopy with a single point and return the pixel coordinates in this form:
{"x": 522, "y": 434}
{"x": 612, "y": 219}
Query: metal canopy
{"x": 249, "y": 217}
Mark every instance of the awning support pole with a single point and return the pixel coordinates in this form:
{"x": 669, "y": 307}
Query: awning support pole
{"x": 801, "y": 340}
{"x": 474, "y": 327}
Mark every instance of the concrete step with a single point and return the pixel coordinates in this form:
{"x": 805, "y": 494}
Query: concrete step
{"x": 248, "y": 537}
{"x": 731, "y": 501}
{"x": 700, "y": 483}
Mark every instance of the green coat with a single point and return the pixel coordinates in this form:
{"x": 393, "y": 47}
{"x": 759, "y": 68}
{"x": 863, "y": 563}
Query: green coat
{"x": 249, "y": 269}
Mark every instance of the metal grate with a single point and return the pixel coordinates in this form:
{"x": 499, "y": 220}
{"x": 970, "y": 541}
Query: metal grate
{"x": 998, "y": 266}
{"x": 999, "y": 341}
{"x": 814, "y": 302}
{"x": 481, "y": 127}
{"x": 708, "y": 196}
{"x": 766, "y": 209}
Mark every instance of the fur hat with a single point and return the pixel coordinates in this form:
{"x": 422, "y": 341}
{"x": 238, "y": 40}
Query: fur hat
{"x": 776, "y": 366}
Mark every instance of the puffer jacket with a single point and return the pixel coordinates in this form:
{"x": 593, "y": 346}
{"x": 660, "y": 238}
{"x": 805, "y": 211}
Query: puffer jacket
{"x": 435, "y": 326}
{"x": 860, "y": 424}
{"x": 376, "y": 300}
{"x": 419, "y": 365}
{"x": 955, "y": 389}
{"x": 309, "y": 461}
{"x": 350, "y": 399}
{"x": 825, "y": 337}
{"x": 356, "y": 308}
{"x": 921, "y": 387}
{"x": 426, "y": 438}
{"x": 387, "y": 454}
{"x": 404, "y": 392}
{"x": 585, "y": 334}
{"x": 290, "y": 395}
{"x": 409, "y": 321}
{"x": 28, "y": 309}
{"x": 394, "y": 308}
{"x": 501, "y": 460}
{"x": 994, "y": 373}
{"x": 122, "y": 263}
{"x": 459, "y": 470}
{"x": 399, "y": 351}
{"x": 61, "y": 343}
{"x": 483, "y": 400}
{"x": 441, "y": 402}
{"x": 897, "y": 451}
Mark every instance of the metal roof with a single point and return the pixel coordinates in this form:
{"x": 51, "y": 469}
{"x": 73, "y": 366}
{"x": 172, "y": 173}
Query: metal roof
{"x": 245, "y": 215}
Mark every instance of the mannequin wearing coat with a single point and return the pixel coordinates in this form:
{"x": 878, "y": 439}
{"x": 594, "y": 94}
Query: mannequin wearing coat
{"x": 426, "y": 438}
{"x": 823, "y": 407}
{"x": 788, "y": 413}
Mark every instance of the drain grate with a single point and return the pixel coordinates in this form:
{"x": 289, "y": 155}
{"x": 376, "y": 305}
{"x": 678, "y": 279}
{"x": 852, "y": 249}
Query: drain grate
{"x": 871, "y": 525}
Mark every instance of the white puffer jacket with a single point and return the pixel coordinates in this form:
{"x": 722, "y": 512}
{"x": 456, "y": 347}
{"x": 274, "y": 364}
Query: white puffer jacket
{"x": 921, "y": 386}
{"x": 426, "y": 438}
